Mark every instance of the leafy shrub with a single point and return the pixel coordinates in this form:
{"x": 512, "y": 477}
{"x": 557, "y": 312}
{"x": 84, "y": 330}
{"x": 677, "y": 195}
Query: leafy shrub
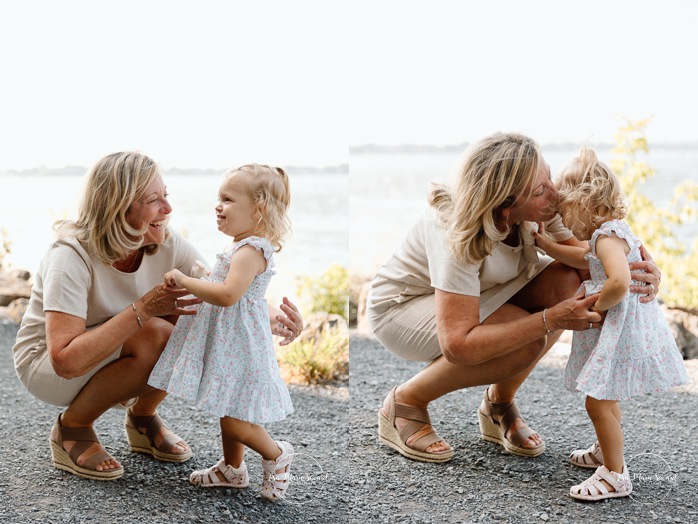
{"x": 5, "y": 244}
{"x": 327, "y": 293}
{"x": 315, "y": 361}
{"x": 653, "y": 225}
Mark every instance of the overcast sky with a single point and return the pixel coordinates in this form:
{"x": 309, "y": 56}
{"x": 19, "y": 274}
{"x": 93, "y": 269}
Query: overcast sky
{"x": 215, "y": 83}
{"x": 448, "y": 72}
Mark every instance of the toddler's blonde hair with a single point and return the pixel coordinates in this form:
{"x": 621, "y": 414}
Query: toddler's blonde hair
{"x": 269, "y": 189}
{"x": 588, "y": 187}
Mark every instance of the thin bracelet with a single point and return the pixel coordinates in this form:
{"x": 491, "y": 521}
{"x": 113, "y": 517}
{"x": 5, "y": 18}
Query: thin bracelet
{"x": 545, "y": 321}
{"x": 140, "y": 321}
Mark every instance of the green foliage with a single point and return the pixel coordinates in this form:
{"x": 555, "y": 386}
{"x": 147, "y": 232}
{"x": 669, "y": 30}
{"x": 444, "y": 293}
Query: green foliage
{"x": 654, "y": 226}
{"x": 314, "y": 361}
{"x": 327, "y": 293}
{"x": 5, "y": 244}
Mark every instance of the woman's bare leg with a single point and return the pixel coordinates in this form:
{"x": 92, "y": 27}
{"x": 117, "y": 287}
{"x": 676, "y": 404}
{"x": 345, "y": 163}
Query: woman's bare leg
{"x": 507, "y": 373}
{"x": 123, "y": 379}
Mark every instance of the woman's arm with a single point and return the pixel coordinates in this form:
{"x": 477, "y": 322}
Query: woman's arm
{"x": 612, "y": 252}
{"x": 74, "y": 350}
{"x": 464, "y": 340}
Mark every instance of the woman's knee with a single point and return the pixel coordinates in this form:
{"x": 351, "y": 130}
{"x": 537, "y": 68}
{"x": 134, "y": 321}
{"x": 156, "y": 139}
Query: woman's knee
{"x": 148, "y": 343}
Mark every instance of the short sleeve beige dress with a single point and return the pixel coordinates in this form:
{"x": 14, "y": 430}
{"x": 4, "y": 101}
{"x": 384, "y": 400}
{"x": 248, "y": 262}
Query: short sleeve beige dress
{"x": 70, "y": 280}
{"x": 400, "y": 304}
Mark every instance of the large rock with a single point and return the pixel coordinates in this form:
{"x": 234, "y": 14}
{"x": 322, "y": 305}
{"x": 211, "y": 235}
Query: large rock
{"x": 15, "y": 289}
{"x": 684, "y": 326}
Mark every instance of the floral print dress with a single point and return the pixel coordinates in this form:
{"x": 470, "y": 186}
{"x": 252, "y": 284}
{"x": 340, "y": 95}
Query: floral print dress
{"x": 634, "y": 351}
{"x": 223, "y": 358}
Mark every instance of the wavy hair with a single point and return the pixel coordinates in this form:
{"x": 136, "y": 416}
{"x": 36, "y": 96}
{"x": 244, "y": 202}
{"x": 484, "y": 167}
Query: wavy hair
{"x": 588, "y": 188}
{"x": 494, "y": 174}
{"x": 113, "y": 184}
{"x": 269, "y": 189}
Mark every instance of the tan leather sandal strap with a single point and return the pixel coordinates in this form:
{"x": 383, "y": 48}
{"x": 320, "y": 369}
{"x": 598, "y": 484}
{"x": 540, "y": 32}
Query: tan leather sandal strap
{"x": 518, "y": 436}
{"x": 412, "y": 413}
{"x": 78, "y": 434}
{"x": 423, "y": 442}
{"x": 508, "y": 416}
{"x": 151, "y": 423}
{"x": 95, "y": 460}
{"x": 167, "y": 443}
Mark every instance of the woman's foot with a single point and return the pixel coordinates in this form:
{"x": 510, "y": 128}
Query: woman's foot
{"x": 519, "y": 423}
{"x": 149, "y": 434}
{"x": 77, "y": 450}
{"x": 400, "y": 423}
{"x": 179, "y": 447}
{"x": 501, "y": 422}
{"x": 84, "y": 457}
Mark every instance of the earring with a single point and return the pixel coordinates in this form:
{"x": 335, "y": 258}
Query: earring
{"x": 505, "y": 214}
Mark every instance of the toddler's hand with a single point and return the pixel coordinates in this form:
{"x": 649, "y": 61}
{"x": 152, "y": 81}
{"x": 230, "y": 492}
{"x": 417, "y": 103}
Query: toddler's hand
{"x": 173, "y": 279}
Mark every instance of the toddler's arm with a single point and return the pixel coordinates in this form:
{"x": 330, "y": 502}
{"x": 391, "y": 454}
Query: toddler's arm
{"x": 245, "y": 264}
{"x": 570, "y": 254}
{"x": 612, "y": 252}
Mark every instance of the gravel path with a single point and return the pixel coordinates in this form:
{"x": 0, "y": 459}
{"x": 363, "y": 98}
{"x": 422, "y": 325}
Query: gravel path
{"x": 154, "y": 492}
{"x": 482, "y": 484}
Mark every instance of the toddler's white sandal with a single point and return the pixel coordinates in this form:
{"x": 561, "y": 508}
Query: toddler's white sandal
{"x": 593, "y": 488}
{"x": 587, "y": 458}
{"x": 275, "y": 483}
{"x": 209, "y": 478}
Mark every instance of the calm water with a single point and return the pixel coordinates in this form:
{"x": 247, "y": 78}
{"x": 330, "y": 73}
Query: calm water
{"x": 319, "y": 212}
{"x": 388, "y": 191}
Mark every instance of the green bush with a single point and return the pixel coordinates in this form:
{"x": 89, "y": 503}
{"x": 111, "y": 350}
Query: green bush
{"x": 653, "y": 225}
{"x": 314, "y": 361}
{"x": 327, "y": 293}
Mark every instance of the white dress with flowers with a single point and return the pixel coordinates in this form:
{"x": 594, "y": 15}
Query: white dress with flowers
{"x": 223, "y": 358}
{"x": 634, "y": 351}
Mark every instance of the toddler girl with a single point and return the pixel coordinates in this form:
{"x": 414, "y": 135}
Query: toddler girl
{"x": 223, "y": 357}
{"x": 634, "y": 351}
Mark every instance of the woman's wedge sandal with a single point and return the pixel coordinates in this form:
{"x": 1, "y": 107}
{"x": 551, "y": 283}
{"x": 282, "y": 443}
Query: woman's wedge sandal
{"x": 277, "y": 473}
{"x": 496, "y": 419}
{"x": 594, "y": 487}
{"x": 211, "y": 477}
{"x": 397, "y": 439}
{"x": 83, "y": 437}
{"x": 145, "y": 442}
{"x": 587, "y": 458}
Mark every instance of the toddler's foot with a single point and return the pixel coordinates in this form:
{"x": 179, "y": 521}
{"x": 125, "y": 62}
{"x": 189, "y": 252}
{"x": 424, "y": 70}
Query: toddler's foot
{"x": 277, "y": 473}
{"x": 221, "y": 475}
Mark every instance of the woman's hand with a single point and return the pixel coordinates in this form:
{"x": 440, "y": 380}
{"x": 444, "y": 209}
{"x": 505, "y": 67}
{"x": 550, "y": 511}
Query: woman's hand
{"x": 645, "y": 271}
{"x": 164, "y": 300}
{"x": 575, "y": 313}
{"x": 289, "y": 325}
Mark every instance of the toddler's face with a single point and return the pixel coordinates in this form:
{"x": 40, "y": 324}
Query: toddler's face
{"x": 236, "y": 214}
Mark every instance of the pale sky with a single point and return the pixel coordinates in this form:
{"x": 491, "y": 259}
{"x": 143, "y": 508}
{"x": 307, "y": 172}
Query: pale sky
{"x": 446, "y": 72}
{"x": 193, "y": 84}
{"x": 215, "y": 83}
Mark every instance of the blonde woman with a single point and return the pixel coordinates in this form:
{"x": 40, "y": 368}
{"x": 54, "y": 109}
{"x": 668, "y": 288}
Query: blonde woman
{"x": 99, "y": 315}
{"x": 468, "y": 292}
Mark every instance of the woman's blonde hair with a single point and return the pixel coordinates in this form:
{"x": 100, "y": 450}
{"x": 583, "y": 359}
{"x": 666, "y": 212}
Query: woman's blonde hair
{"x": 269, "y": 189}
{"x": 494, "y": 173}
{"x": 113, "y": 184}
{"x": 588, "y": 188}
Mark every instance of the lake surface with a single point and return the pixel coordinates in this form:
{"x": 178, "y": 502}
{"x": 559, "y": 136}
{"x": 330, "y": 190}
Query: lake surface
{"x": 29, "y": 205}
{"x": 388, "y": 191}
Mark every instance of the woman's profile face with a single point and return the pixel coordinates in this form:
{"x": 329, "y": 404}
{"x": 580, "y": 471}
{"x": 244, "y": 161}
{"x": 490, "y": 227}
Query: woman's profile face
{"x": 153, "y": 209}
{"x": 538, "y": 203}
